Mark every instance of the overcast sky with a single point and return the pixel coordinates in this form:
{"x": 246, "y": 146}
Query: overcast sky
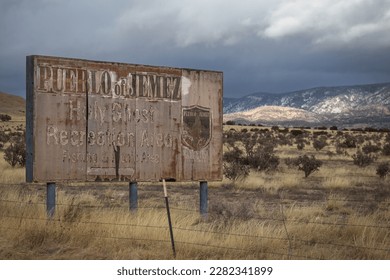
{"x": 271, "y": 46}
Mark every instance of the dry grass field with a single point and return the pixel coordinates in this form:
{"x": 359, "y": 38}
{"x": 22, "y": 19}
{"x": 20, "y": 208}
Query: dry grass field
{"x": 342, "y": 211}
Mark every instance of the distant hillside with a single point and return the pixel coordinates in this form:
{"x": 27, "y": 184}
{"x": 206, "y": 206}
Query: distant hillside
{"x": 274, "y": 114}
{"x": 12, "y": 105}
{"x": 347, "y": 105}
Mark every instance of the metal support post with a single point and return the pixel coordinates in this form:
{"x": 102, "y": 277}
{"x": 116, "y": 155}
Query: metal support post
{"x": 133, "y": 196}
{"x": 204, "y": 208}
{"x": 50, "y": 199}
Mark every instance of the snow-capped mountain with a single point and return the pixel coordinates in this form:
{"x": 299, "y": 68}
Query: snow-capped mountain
{"x": 346, "y": 105}
{"x": 274, "y": 114}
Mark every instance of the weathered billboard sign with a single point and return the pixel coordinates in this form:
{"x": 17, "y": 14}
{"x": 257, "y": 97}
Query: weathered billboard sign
{"x": 91, "y": 121}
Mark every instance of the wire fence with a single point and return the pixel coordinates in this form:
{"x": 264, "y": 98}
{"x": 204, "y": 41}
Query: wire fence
{"x": 214, "y": 234}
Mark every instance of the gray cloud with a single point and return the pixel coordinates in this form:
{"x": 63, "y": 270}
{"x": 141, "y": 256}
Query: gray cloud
{"x": 274, "y": 46}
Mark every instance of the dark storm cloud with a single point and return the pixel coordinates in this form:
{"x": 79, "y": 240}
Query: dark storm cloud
{"x": 272, "y": 46}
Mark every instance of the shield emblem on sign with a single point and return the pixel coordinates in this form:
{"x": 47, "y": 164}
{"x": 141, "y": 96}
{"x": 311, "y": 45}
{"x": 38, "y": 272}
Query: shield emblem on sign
{"x": 196, "y": 127}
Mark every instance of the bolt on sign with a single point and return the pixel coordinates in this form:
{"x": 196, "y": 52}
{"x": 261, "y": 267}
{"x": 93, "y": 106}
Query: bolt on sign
{"x": 105, "y": 121}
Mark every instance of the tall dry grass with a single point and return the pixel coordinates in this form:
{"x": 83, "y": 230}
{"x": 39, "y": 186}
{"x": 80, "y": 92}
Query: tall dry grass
{"x": 85, "y": 227}
{"x": 271, "y": 182}
{"x": 10, "y": 175}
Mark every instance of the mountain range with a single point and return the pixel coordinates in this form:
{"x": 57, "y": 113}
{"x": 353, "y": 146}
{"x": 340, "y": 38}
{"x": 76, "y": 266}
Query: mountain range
{"x": 359, "y": 105}
{"x": 344, "y": 106}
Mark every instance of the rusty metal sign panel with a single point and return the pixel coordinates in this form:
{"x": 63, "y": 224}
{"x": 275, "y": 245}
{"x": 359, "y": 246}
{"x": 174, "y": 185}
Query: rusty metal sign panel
{"x": 104, "y": 121}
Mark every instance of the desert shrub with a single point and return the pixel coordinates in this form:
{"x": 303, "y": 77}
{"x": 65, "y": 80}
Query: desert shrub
{"x": 362, "y": 160}
{"x": 340, "y": 150}
{"x": 307, "y": 164}
{"x": 231, "y": 123}
{"x": 283, "y": 140}
{"x": 249, "y": 143}
{"x": 370, "y": 129}
{"x": 264, "y": 158}
{"x": 383, "y": 169}
{"x": 300, "y": 145}
{"x": 349, "y": 141}
{"x": 370, "y": 148}
{"x": 235, "y": 170}
{"x": 15, "y": 153}
{"x": 330, "y": 154}
{"x": 230, "y": 137}
{"x": 319, "y": 144}
{"x": 290, "y": 162}
{"x": 233, "y": 155}
{"x": 234, "y": 167}
{"x": 360, "y": 139}
{"x": 386, "y": 149}
{"x": 5, "y": 118}
{"x": 377, "y": 137}
{"x": 4, "y": 137}
{"x": 321, "y": 132}
{"x": 296, "y": 132}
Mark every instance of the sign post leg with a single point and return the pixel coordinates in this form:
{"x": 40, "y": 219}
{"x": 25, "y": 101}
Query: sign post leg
{"x": 133, "y": 196}
{"x": 204, "y": 198}
{"x": 50, "y": 199}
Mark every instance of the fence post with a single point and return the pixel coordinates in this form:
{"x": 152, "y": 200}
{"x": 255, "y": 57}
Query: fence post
{"x": 133, "y": 196}
{"x": 169, "y": 218}
{"x": 50, "y": 199}
{"x": 203, "y": 198}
